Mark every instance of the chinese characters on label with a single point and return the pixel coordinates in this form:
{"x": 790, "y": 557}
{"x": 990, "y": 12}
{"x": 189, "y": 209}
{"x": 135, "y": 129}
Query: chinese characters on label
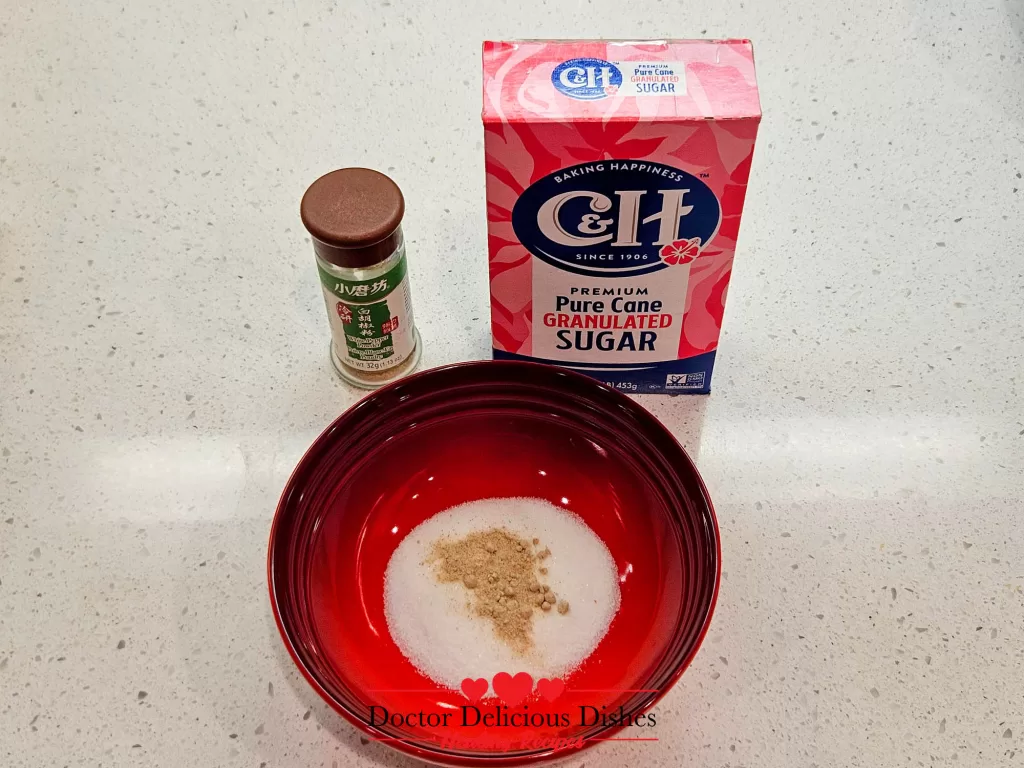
{"x": 368, "y": 330}
{"x": 371, "y": 320}
{"x": 363, "y": 290}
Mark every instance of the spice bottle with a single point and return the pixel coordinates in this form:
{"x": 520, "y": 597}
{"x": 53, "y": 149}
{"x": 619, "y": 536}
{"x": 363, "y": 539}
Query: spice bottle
{"x": 355, "y": 218}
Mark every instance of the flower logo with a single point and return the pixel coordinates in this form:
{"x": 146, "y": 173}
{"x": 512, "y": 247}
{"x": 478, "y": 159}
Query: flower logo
{"x": 680, "y": 251}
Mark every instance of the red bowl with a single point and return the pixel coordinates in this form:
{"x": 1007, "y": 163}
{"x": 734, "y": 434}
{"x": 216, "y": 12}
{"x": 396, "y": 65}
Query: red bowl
{"x": 482, "y": 430}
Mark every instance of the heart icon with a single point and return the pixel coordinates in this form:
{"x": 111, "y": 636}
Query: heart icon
{"x": 512, "y": 690}
{"x": 550, "y": 689}
{"x": 474, "y": 690}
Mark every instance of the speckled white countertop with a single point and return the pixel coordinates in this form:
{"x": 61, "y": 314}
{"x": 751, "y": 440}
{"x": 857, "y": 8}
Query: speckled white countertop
{"x": 163, "y": 365}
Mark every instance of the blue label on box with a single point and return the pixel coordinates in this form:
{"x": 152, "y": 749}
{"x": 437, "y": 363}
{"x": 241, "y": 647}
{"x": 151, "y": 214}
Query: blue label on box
{"x": 587, "y": 79}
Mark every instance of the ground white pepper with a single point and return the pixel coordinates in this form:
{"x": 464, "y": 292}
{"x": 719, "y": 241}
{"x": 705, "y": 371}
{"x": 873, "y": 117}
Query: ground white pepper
{"x": 500, "y": 571}
{"x": 354, "y": 216}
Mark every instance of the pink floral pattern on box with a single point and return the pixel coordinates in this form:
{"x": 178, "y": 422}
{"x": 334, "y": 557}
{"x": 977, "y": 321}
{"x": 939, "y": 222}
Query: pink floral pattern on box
{"x": 532, "y": 130}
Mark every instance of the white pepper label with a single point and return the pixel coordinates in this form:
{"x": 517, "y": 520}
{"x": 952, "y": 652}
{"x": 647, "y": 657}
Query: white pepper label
{"x": 371, "y": 320}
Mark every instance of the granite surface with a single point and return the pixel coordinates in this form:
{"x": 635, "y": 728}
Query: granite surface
{"x": 163, "y": 365}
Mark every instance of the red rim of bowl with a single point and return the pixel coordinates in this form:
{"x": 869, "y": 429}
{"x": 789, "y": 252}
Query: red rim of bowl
{"x": 560, "y": 383}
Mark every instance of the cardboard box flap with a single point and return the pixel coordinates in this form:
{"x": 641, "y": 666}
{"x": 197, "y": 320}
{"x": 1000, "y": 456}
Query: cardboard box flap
{"x": 561, "y": 80}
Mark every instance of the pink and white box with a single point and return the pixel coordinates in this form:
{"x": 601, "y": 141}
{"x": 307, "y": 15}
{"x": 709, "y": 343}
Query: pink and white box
{"x": 616, "y": 173}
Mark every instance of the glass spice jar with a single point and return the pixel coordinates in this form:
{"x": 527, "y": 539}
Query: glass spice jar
{"x": 354, "y": 216}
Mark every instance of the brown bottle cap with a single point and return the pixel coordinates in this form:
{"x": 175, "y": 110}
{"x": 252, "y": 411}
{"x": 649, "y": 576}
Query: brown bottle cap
{"x": 354, "y": 216}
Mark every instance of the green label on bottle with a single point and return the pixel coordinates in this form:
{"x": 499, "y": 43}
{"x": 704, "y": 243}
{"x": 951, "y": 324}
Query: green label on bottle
{"x": 365, "y": 291}
{"x": 371, "y": 320}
